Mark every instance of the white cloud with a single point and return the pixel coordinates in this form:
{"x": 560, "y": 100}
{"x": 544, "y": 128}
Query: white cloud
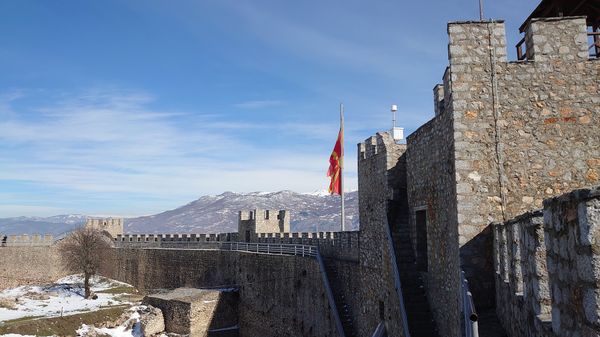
{"x": 258, "y": 104}
{"x": 99, "y": 144}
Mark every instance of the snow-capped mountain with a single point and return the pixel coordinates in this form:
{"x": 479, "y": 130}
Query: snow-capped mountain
{"x": 213, "y": 214}
{"x": 55, "y": 225}
{"x": 219, "y": 214}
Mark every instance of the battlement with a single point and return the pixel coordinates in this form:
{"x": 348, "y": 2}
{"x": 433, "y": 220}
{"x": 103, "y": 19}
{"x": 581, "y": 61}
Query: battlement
{"x": 545, "y": 262}
{"x": 113, "y": 226}
{"x": 379, "y": 144}
{"x": 546, "y": 40}
{"x": 262, "y": 221}
{"x": 35, "y": 240}
{"x": 562, "y": 38}
{"x": 342, "y": 245}
{"x": 171, "y": 240}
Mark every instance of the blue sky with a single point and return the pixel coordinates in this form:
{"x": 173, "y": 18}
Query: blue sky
{"x": 134, "y": 107}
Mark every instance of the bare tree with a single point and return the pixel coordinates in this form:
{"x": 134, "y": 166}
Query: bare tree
{"x": 82, "y": 252}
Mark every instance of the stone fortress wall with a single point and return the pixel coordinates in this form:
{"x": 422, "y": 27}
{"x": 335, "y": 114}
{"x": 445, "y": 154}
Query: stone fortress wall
{"x": 506, "y": 136}
{"x": 262, "y": 221}
{"x": 279, "y": 295}
{"x": 34, "y": 240}
{"x": 546, "y": 268}
{"x": 34, "y": 259}
{"x": 113, "y": 226}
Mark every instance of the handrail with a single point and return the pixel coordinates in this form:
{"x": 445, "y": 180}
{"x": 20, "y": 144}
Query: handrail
{"x": 469, "y": 314}
{"x": 260, "y": 248}
{"x": 520, "y": 54}
{"x": 397, "y": 283}
{"x": 595, "y": 45}
{"x": 332, "y": 305}
{"x": 380, "y": 330}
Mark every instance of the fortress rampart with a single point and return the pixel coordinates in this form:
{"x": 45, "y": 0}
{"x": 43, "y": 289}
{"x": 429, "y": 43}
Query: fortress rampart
{"x": 35, "y": 240}
{"x": 505, "y": 136}
{"x": 279, "y": 295}
{"x": 546, "y": 268}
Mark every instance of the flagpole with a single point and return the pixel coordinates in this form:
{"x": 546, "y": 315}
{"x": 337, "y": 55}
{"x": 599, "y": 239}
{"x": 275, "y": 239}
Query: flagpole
{"x": 343, "y": 220}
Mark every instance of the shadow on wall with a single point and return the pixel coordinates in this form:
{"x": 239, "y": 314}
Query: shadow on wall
{"x": 477, "y": 262}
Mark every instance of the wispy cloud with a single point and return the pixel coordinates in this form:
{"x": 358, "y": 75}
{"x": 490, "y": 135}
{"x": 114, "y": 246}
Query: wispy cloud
{"x": 100, "y": 144}
{"x": 258, "y": 104}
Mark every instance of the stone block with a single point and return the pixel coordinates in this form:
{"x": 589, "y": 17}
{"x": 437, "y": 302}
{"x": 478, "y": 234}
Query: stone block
{"x": 194, "y": 311}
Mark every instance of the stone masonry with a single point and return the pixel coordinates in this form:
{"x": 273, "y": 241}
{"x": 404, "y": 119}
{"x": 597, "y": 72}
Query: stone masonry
{"x": 506, "y": 135}
{"x": 547, "y": 268}
{"x": 195, "y": 312}
{"x": 262, "y": 221}
{"x": 113, "y": 226}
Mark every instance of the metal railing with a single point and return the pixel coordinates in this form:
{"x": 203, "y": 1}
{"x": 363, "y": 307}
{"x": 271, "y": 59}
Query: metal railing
{"x": 397, "y": 283}
{"x": 332, "y": 305}
{"x": 521, "y": 55}
{"x": 263, "y": 248}
{"x": 259, "y": 248}
{"x": 469, "y": 314}
{"x": 595, "y": 53}
{"x": 380, "y": 330}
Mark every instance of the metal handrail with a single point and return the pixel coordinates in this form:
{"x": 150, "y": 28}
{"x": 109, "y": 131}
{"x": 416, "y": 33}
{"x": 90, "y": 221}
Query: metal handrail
{"x": 380, "y": 330}
{"x": 397, "y": 283}
{"x": 260, "y": 248}
{"x": 520, "y": 54}
{"x": 595, "y": 45}
{"x": 336, "y": 316}
{"x": 469, "y": 314}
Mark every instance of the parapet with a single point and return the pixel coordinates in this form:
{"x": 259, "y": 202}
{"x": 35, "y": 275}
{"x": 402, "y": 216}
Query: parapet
{"x": 34, "y": 240}
{"x": 472, "y": 41}
{"x": 563, "y": 38}
{"x": 438, "y": 99}
{"x": 545, "y": 263}
{"x": 379, "y": 144}
{"x": 113, "y": 226}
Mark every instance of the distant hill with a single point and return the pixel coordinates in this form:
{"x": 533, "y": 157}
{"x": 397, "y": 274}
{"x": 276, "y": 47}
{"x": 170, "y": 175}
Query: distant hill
{"x": 212, "y": 214}
{"x": 55, "y": 225}
{"x": 219, "y": 214}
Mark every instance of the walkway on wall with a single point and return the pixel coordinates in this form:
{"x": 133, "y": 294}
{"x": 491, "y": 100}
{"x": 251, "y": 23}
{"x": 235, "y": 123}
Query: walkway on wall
{"x": 343, "y": 306}
{"x": 418, "y": 312}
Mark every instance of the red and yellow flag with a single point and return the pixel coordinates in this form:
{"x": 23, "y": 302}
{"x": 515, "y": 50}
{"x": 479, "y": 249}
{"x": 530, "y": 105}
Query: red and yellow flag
{"x": 335, "y": 164}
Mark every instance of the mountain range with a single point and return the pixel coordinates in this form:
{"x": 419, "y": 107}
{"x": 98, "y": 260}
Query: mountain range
{"x": 212, "y": 214}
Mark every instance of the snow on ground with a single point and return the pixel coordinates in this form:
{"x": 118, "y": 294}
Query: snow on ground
{"x": 65, "y": 297}
{"x": 130, "y": 328}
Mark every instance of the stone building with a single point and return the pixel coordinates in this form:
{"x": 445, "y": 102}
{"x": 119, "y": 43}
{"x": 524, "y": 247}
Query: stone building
{"x": 505, "y": 136}
{"x": 113, "y": 226}
{"x": 257, "y": 221}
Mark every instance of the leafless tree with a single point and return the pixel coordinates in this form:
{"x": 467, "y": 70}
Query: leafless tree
{"x": 82, "y": 252}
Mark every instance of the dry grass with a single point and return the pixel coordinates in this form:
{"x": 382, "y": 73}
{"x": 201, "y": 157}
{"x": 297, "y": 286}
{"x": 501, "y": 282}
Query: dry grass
{"x": 60, "y": 326}
{"x": 8, "y": 303}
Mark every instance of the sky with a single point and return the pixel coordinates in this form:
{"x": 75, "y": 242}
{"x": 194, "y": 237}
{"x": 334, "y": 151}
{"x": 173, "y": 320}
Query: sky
{"x": 130, "y": 107}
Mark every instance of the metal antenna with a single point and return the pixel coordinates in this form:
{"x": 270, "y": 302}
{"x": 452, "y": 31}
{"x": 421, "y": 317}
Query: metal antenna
{"x": 480, "y": 10}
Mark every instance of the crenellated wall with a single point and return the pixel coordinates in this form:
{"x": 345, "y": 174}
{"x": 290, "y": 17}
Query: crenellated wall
{"x": 505, "y": 136}
{"x": 380, "y": 189}
{"x": 279, "y": 295}
{"x": 337, "y": 245}
{"x": 547, "y": 268}
{"x": 113, "y": 226}
{"x": 35, "y": 240}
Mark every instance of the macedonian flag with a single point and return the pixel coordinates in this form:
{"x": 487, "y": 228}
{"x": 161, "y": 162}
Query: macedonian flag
{"x": 336, "y": 162}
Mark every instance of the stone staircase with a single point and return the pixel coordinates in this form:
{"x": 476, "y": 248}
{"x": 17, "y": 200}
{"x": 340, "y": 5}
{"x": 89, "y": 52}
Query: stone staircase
{"x": 344, "y": 309}
{"x": 418, "y": 312}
